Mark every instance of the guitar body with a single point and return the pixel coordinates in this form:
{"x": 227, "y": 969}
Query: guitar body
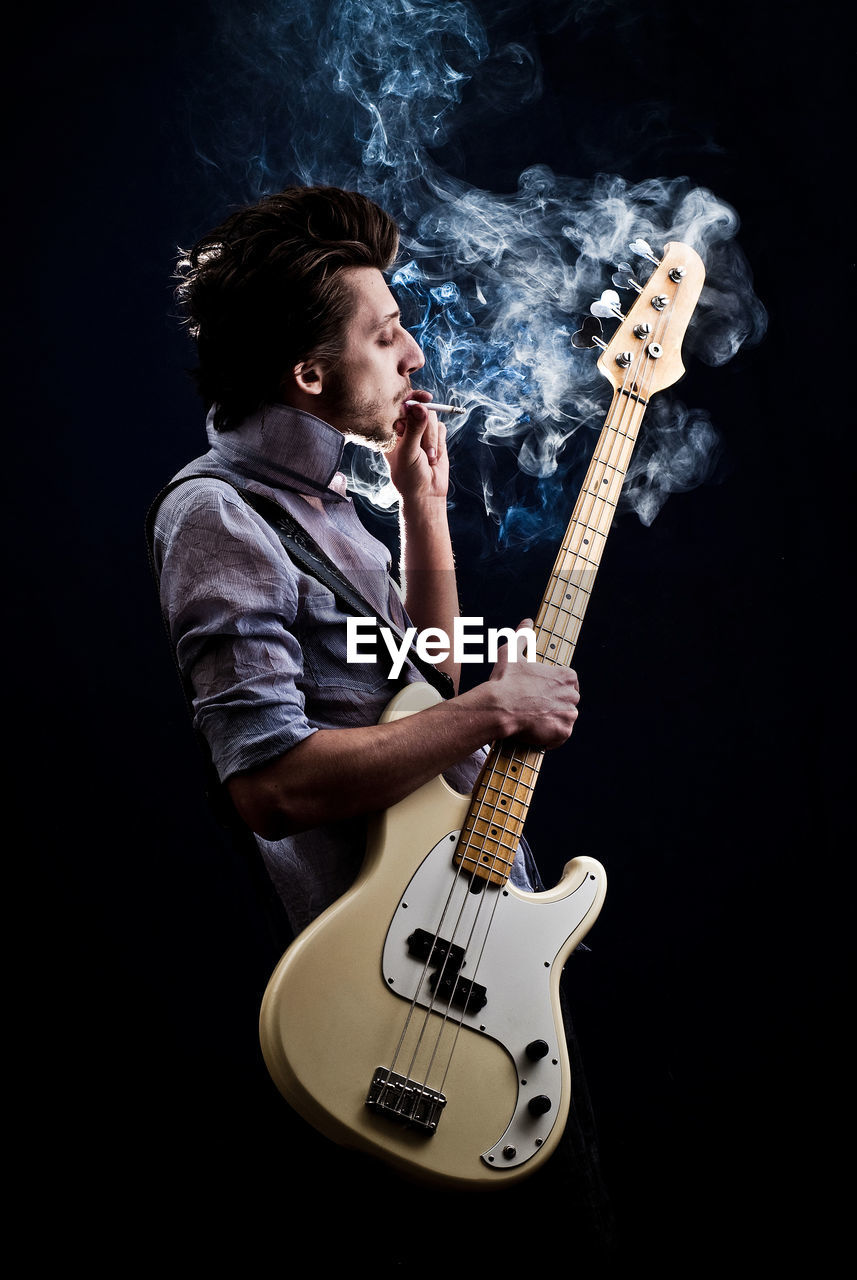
{"x": 351, "y": 1002}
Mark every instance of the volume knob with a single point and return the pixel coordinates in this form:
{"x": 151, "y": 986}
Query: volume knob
{"x": 539, "y": 1105}
{"x": 537, "y": 1049}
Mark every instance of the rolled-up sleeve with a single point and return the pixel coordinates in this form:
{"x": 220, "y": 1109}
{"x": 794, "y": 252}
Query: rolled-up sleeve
{"x": 230, "y": 597}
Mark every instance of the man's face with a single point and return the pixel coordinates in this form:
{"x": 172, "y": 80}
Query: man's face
{"x": 363, "y": 395}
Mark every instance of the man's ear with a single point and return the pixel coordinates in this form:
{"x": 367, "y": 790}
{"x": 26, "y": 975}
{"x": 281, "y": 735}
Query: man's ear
{"x": 309, "y": 377}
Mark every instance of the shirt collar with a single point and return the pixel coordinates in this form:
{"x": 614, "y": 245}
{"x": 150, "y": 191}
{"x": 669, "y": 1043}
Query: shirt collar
{"x": 285, "y": 448}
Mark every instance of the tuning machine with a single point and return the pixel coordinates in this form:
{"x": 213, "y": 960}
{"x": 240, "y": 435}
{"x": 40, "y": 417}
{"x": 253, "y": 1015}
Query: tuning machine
{"x": 644, "y": 250}
{"x": 589, "y": 335}
{"x": 607, "y": 306}
{"x": 623, "y": 278}
{"x": 604, "y": 308}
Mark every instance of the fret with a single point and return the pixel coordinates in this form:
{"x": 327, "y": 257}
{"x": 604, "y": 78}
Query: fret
{"x": 579, "y": 556}
{"x": 488, "y": 843}
{"x": 496, "y": 815}
{"x": 485, "y": 842}
{"x": 567, "y": 609}
{"x": 581, "y": 525}
{"x": 610, "y": 466}
{"x": 601, "y": 497}
{"x": 561, "y": 608}
{"x": 558, "y": 658}
{"x": 484, "y": 869}
{"x": 507, "y": 811}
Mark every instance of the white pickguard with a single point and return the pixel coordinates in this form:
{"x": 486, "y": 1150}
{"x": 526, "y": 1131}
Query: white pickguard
{"x": 511, "y": 941}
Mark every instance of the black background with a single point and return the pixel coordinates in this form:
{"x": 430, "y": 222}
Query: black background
{"x": 708, "y": 771}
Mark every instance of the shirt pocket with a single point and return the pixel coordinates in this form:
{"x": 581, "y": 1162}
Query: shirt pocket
{"x": 321, "y": 628}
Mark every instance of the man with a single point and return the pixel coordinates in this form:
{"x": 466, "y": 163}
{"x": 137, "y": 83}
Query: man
{"x": 301, "y": 348}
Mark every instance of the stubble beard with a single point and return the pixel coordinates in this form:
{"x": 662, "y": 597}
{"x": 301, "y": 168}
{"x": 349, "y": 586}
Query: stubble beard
{"x": 363, "y": 420}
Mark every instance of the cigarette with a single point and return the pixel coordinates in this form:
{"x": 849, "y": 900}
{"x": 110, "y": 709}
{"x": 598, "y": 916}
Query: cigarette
{"x": 438, "y": 408}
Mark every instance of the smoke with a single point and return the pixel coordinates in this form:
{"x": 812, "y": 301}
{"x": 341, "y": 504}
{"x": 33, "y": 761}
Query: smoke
{"x": 366, "y": 94}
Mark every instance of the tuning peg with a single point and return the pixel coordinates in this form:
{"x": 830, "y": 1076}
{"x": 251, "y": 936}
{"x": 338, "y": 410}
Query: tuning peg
{"x": 644, "y": 250}
{"x": 623, "y": 278}
{"x": 607, "y": 306}
{"x": 588, "y": 335}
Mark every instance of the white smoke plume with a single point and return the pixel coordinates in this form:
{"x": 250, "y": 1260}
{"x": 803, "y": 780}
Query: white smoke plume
{"x": 363, "y": 94}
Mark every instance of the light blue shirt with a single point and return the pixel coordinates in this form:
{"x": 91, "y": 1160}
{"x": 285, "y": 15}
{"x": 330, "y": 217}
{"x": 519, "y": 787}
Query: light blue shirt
{"x": 261, "y": 643}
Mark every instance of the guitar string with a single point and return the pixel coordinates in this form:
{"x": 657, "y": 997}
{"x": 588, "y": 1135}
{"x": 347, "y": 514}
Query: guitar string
{"x": 508, "y": 817}
{"x": 589, "y": 516}
{"x": 613, "y": 462}
{"x": 624, "y": 401}
{"x": 494, "y": 778}
{"x": 432, "y": 1001}
{"x": 414, "y": 1001}
{"x": 446, "y": 1014}
{"x": 619, "y": 467}
{"x": 490, "y": 773}
{"x": 499, "y": 781}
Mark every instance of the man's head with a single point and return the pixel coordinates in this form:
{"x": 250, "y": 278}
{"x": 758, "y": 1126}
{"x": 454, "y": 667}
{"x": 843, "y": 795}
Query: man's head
{"x": 272, "y": 297}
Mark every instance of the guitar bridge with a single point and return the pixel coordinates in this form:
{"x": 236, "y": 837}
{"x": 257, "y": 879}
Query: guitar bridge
{"x": 405, "y": 1101}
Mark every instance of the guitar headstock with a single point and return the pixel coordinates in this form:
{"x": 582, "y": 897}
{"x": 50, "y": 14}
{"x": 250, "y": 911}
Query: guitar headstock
{"x": 647, "y": 345}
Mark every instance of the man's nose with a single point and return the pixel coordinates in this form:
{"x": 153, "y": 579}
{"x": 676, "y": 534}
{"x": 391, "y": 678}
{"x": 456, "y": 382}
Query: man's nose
{"x": 412, "y": 358}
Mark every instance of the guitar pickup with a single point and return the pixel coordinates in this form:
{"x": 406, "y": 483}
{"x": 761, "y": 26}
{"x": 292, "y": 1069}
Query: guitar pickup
{"x": 422, "y": 945}
{"x": 461, "y": 992}
{"x": 447, "y": 959}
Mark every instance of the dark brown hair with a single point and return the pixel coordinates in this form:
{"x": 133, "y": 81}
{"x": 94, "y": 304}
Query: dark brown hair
{"x": 264, "y": 290}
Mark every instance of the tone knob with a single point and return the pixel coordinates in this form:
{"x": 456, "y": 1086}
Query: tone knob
{"x": 537, "y": 1049}
{"x": 539, "y": 1105}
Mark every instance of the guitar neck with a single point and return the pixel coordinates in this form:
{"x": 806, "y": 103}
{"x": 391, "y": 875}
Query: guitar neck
{"x": 563, "y": 606}
{"x": 643, "y": 356}
{"x": 502, "y": 796}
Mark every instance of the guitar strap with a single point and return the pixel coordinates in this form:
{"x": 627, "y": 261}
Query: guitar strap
{"x": 308, "y": 555}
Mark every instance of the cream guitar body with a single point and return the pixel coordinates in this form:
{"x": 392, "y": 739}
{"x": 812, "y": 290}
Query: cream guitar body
{"x": 351, "y": 1005}
{"x": 418, "y": 1017}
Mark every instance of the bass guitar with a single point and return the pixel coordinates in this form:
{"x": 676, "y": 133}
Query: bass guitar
{"x": 418, "y": 1018}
